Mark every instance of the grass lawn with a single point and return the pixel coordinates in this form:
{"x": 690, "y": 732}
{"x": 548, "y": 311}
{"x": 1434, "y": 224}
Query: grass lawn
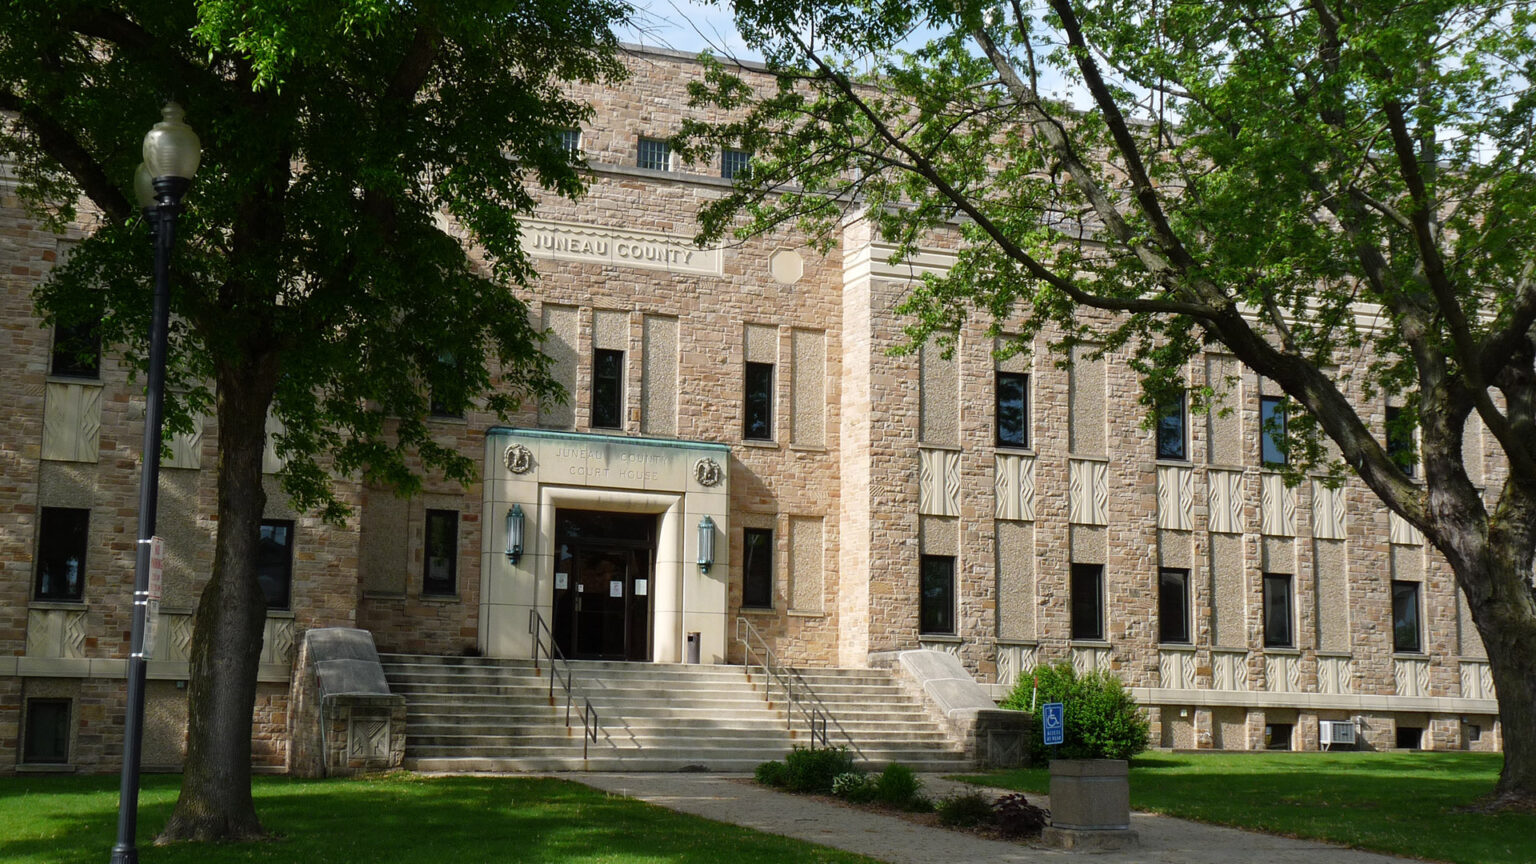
{"x": 463, "y": 820}
{"x": 1398, "y": 803}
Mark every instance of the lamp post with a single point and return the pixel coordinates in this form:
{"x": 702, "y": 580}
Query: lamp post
{"x": 171, "y": 155}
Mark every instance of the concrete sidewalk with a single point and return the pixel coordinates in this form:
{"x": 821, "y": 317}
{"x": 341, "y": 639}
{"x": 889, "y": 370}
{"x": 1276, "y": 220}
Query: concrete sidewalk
{"x": 727, "y": 798}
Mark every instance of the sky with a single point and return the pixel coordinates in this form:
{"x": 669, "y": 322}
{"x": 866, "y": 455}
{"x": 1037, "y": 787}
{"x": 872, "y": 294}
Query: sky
{"x": 685, "y": 25}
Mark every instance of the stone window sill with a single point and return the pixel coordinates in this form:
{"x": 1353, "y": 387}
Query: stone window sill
{"x": 950, "y": 638}
{"x": 759, "y": 443}
{"x": 62, "y": 605}
{"x": 796, "y": 613}
{"x": 1186, "y": 647}
{"x": 441, "y": 599}
{"x": 1089, "y": 643}
{"x": 24, "y": 768}
{"x": 1282, "y": 651}
{"x": 763, "y": 611}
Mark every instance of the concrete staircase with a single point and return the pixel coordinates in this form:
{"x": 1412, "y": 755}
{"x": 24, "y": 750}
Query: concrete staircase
{"x": 479, "y": 714}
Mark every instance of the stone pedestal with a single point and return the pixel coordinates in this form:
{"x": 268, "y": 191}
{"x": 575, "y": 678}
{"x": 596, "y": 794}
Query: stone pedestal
{"x": 1090, "y": 805}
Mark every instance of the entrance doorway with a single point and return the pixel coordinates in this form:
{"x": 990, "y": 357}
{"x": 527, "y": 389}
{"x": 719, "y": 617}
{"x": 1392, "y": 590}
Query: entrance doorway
{"x": 603, "y": 577}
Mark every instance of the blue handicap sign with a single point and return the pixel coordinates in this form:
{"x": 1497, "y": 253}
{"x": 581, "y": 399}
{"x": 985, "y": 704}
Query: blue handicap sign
{"x": 1051, "y": 717}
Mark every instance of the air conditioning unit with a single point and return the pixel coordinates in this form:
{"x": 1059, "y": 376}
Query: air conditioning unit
{"x": 1337, "y": 732}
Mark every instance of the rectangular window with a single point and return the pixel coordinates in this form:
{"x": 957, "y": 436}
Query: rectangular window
{"x": 1173, "y": 605}
{"x": 1087, "y": 601}
{"x": 936, "y": 612}
{"x": 1277, "y": 736}
{"x": 759, "y": 402}
{"x": 47, "y": 735}
{"x": 1271, "y": 430}
{"x": 1277, "y": 611}
{"x": 1012, "y": 409}
{"x": 607, "y": 388}
{"x": 441, "y": 553}
{"x": 735, "y": 163}
{"x": 1171, "y": 435}
{"x": 570, "y": 141}
{"x": 757, "y": 568}
{"x": 655, "y": 154}
{"x": 61, "y": 539}
{"x": 1400, "y": 448}
{"x": 1410, "y": 737}
{"x": 1405, "y": 617}
{"x": 274, "y": 561}
{"x": 76, "y": 351}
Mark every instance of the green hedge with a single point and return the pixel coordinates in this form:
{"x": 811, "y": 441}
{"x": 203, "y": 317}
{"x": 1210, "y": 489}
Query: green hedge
{"x": 1102, "y": 721}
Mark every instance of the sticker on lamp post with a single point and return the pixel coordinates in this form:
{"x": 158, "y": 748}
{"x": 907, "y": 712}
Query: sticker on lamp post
{"x": 1051, "y": 723}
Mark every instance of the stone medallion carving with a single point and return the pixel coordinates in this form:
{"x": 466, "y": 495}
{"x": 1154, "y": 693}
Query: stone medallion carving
{"x": 707, "y": 472}
{"x": 519, "y": 459}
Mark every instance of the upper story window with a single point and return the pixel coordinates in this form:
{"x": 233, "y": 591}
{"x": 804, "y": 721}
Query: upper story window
{"x": 274, "y": 562}
{"x": 757, "y": 568}
{"x": 1406, "y": 632}
{"x": 607, "y": 388}
{"x": 570, "y": 141}
{"x": 735, "y": 163}
{"x": 1173, "y": 430}
{"x": 758, "y": 425}
{"x": 1278, "y": 611}
{"x": 1173, "y": 605}
{"x": 655, "y": 154}
{"x": 1087, "y": 592}
{"x": 1272, "y": 430}
{"x": 1012, "y": 414}
{"x": 76, "y": 351}
{"x": 440, "y": 555}
{"x": 1400, "y": 445}
{"x": 61, "y": 540}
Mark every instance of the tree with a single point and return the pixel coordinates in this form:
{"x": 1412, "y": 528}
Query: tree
{"x": 1245, "y": 174}
{"x": 317, "y": 278}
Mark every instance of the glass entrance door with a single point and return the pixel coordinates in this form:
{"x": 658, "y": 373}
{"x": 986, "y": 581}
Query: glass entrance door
{"x": 602, "y": 599}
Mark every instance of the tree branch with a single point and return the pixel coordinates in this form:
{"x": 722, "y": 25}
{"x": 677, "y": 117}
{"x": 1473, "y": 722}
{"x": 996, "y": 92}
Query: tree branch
{"x": 66, "y": 149}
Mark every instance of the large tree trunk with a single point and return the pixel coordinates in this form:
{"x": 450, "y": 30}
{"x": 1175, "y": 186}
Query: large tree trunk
{"x": 215, "y": 802}
{"x": 1506, "y": 620}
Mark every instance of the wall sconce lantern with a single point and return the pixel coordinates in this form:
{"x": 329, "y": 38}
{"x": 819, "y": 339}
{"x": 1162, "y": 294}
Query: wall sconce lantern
{"x": 706, "y": 544}
{"x": 515, "y": 533}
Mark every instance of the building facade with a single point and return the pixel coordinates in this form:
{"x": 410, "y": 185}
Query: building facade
{"x": 741, "y": 443}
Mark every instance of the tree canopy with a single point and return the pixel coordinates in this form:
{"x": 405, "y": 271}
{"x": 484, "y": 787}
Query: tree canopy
{"x": 1338, "y": 192}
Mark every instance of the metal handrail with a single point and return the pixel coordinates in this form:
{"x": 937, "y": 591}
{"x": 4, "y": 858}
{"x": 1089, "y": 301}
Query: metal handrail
{"x": 587, "y": 714}
{"x": 797, "y": 692}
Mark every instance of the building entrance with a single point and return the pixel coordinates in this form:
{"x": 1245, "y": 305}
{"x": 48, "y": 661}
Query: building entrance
{"x": 603, "y": 577}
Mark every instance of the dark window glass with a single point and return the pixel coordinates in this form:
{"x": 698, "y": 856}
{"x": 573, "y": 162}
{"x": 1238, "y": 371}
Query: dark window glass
{"x": 47, "y": 735}
{"x": 61, "y": 539}
{"x": 441, "y": 555}
{"x": 1410, "y": 737}
{"x": 655, "y": 154}
{"x": 607, "y": 388}
{"x": 757, "y": 568}
{"x": 1400, "y": 447}
{"x": 76, "y": 351}
{"x": 759, "y": 402}
{"x": 1173, "y": 605}
{"x": 570, "y": 140}
{"x": 1012, "y": 409}
{"x": 1277, "y": 611}
{"x": 735, "y": 163}
{"x": 1171, "y": 435}
{"x": 446, "y": 384}
{"x": 936, "y": 612}
{"x": 1277, "y": 736}
{"x": 1405, "y": 617}
{"x": 1271, "y": 430}
{"x": 274, "y": 561}
{"x": 1087, "y": 601}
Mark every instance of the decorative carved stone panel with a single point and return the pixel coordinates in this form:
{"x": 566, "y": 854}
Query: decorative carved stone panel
{"x": 277, "y": 643}
{"x": 950, "y": 648}
{"x": 1176, "y": 669}
{"x": 72, "y": 422}
{"x": 1327, "y": 512}
{"x": 1015, "y": 487}
{"x": 1088, "y": 492}
{"x": 185, "y": 450}
{"x": 1277, "y": 506}
{"x": 1013, "y": 661}
{"x": 1225, "y": 500}
{"x": 1086, "y": 659}
{"x": 1401, "y": 532}
{"x": 56, "y": 633}
{"x": 1282, "y": 673}
{"x": 1334, "y": 674}
{"x": 1412, "y": 677}
{"x": 1476, "y": 681}
{"x": 271, "y": 463}
{"x": 1229, "y": 670}
{"x": 368, "y": 738}
{"x": 938, "y": 482}
{"x": 179, "y": 631}
{"x": 1175, "y": 497}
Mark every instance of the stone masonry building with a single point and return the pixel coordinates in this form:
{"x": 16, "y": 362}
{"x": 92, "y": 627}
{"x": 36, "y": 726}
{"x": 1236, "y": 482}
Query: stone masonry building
{"x": 745, "y": 397}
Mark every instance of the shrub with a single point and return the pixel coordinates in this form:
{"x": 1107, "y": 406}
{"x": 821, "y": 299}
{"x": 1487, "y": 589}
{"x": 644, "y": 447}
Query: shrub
{"x": 898, "y": 786}
{"x": 1102, "y": 721}
{"x": 853, "y": 787}
{"x": 1016, "y": 817}
{"x": 810, "y": 770}
{"x": 774, "y": 774}
{"x": 966, "y": 810}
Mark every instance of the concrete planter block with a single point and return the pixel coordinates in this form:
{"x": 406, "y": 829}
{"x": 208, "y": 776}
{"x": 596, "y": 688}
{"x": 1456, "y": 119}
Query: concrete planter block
{"x": 1090, "y": 804}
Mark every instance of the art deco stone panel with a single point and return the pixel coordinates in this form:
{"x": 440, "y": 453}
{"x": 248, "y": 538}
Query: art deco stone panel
{"x": 1277, "y": 506}
{"x": 1229, "y": 670}
{"x": 561, "y": 324}
{"x": 1015, "y": 487}
{"x": 939, "y": 389}
{"x": 1013, "y": 661}
{"x": 658, "y": 376}
{"x": 1086, "y": 420}
{"x": 1225, "y": 501}
{"x": 938, "y": 482}
{"x": 57, "y": 633}
{"x": 1175, "y": 497}
{"x": 1476, "y": 681}
{"x": 1088, "y": 492}
{"x": 1332, "y": 595}
{"x": 1334, "y": 674}
{"x": 1401, "y": 532}
{"x": 1327, "y": 512}
{"x": 72, "y": 422}
{"x": 1015, "y": 580}
{"x": 1176, "y": 669}
{"x": 277, "y": 641}
{"x": 1224, "y": 422}
{"x": 808, "y": 392}
{"x": 1282, "y": 673}
{"x": 806, "y": 574}
{"x": 1411, "y": 676}
{"x": 1229, "y": 604}
{"x": 271, "y": 463}
{"x": 1087, "y": 659}
{"x": 185, "y": 450}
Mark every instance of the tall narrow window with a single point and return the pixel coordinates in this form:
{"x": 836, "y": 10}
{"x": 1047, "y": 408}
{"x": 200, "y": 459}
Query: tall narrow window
{"x": 1173, "y": 605}
{"x": 1087, "y": 601}
{"x": 61, "y": 540}
{"x": 936, "y": 606}
{"x": 655, "y": 154}
{"x": 441, "y": 553}
{"x": 570, "y": 141}
{"x": 759, "y": 402}
{"x": 1272, "y": 430}
{"x": 1172, "y": 435}
{"x": 735, "y": 163}
{"x": 1012, "y": 409}
{"x": 446, "y": 397}
{"x": 607, "y": 388}
{"x": 1278, "y": 613}
{"x": 757, "y": 568}
{"x": 76, "y": 351}
{"x": 1406, "y": 632}
{"x": 274, "y": 562}
{"x": 46, "y": 739}
{"x": 1400, "y": 448}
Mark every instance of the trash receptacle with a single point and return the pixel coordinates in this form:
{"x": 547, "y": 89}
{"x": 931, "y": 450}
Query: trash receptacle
{"x": 693, "y": 648}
